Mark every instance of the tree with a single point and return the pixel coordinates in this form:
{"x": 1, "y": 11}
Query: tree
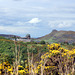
{"x": 42, "y": 42}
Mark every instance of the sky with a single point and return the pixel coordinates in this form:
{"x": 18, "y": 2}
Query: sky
{"x": 36, "y": 17}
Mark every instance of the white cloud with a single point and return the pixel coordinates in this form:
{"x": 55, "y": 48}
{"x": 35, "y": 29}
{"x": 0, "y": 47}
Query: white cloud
{"x": 34, "y": 20}
{"x": 61, "y": 24}
{"x": 17, "y": 29}
{"x": 64, "y": 24}
{"x": 11, "y": 29}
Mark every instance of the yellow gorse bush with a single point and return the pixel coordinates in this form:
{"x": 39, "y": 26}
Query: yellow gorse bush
{"x": 53, "y": 46}
{"x": 21, "y": 71}
{"x": 56, "y": 53}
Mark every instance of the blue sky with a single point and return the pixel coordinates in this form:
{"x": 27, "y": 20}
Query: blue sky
{"x": 37, "y": 17}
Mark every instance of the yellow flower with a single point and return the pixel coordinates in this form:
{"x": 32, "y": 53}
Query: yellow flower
{"x": 10, "y": 69}
{"x": 11, "y": 73}
{"x": 38, "y": 67}
{"x": 36, "y": 70}
{"x": 0, "y": 72}
{"x": 25, "y": 60}
{"x": 21, "y": 71}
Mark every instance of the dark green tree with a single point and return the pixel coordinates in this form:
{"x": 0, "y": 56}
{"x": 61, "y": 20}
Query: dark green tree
{"x": 42, "y": 42}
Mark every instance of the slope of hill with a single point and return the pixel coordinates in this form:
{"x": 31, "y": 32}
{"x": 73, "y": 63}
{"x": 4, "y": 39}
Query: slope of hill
{"x": 59, "y": 36}
{"x": 9, "y": 36}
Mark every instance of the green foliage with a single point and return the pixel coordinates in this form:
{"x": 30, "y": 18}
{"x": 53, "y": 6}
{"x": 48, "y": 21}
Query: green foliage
{"x": 7, "y": 49}
{"x": 42, "y": 42}
{"x": 1, "y": 37}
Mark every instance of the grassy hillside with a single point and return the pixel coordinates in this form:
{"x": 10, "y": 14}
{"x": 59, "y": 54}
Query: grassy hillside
{"x": 59, "y": 36}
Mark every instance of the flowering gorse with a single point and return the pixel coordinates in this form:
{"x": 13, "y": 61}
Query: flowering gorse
{"x": 56, "y": 60}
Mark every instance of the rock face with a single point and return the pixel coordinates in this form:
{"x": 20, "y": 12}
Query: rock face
{"x": 60, "y": 36}
{"x": 28, "y": 36}
{"x": 54, "y": 30}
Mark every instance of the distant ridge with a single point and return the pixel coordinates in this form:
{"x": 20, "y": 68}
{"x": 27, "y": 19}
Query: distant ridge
{"x": 59, "y": 36}
{"x": 54, "y": 36}
{"x": 9, "y": 36}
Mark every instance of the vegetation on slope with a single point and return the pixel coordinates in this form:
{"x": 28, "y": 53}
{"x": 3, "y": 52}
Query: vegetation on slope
{"x": 59, "y": 36}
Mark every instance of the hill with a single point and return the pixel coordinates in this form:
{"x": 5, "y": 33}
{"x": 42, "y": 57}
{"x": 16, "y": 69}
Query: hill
{"x": 59, "y": 36}
{"x": 9, "y": 36}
